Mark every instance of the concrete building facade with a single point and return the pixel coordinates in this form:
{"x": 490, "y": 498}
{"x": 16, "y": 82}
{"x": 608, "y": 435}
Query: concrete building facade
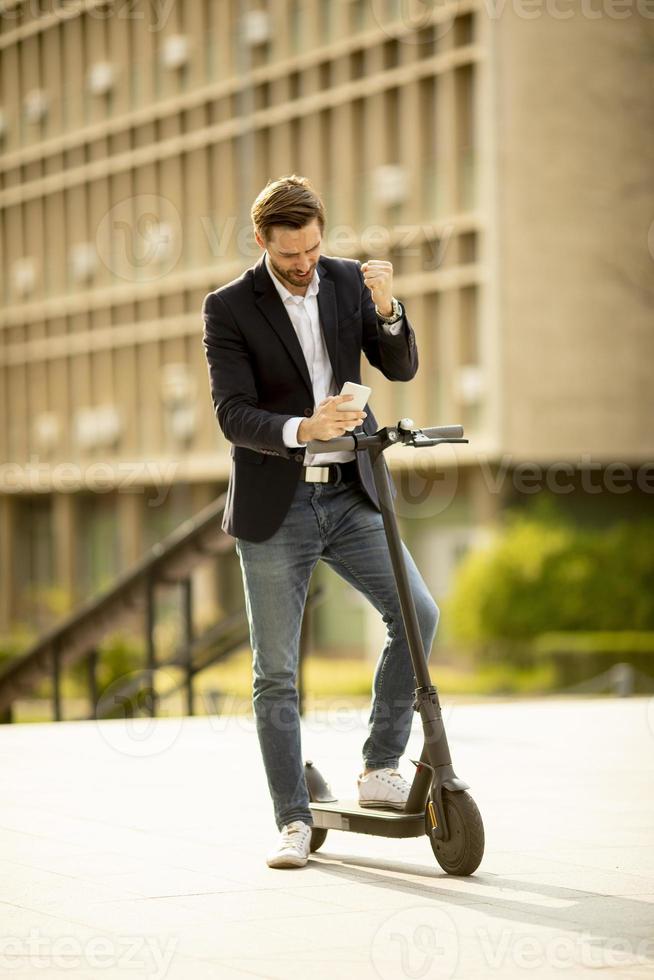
{"x": 502, "y": 162}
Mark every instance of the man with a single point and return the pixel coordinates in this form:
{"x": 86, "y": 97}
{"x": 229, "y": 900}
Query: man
{"x": 280, "y": 342}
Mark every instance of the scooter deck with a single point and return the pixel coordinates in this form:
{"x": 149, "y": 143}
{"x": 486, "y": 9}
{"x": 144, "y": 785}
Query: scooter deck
{"x": 349, "y": 815}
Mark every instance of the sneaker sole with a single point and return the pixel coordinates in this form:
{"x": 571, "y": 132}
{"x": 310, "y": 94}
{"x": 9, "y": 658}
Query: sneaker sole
{"x": 287, "y": 862}
{"x": 382, "y": 805}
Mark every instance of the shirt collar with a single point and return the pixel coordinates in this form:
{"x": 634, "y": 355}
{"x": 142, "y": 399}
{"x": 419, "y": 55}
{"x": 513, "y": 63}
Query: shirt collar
{"x": 285, "y": 293}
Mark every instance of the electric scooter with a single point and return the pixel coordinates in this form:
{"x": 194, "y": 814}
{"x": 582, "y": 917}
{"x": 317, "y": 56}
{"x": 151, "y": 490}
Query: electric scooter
{"x": 438, "y": 804}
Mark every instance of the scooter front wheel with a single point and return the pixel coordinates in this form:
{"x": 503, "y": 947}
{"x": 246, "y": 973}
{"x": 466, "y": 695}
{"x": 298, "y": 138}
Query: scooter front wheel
{"x": 461, "y": 854}
{"x": 318, "y": 836}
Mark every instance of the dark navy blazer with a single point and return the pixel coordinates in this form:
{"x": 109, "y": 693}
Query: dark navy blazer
{"x": 259, "y": 379}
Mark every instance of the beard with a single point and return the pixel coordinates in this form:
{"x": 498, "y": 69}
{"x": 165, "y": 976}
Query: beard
{"x": 290, "y": 276}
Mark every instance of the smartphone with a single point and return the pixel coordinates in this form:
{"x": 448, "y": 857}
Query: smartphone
{"x": 358, "y": 403}
{"x": 361, "y": 395}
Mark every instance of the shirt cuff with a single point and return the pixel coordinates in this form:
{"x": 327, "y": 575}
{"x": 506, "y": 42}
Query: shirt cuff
{"x": 393, "y": 328}
{"x": 289, "y": 432}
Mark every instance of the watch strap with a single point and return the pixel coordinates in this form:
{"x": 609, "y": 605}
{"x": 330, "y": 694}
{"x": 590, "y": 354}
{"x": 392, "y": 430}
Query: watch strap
{"x": 396, "y": 315}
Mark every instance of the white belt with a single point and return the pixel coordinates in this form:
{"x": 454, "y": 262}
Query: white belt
{"x": 316, "y": 474}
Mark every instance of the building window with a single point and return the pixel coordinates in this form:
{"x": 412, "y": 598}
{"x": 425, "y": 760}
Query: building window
{"x": 391, "y": 52}
{"x": 464, "y": 30}
{"x": 467, "y": 247}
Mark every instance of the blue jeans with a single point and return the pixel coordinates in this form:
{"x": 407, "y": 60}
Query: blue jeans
{"x": 338, "y": 524}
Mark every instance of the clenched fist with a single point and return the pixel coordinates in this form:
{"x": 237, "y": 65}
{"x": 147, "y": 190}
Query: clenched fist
{"x": 378, "y": 277}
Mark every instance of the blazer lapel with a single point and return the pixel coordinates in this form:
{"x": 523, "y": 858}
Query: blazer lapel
{"x": 269, "y": 302}
{"x": 328, "y": 311}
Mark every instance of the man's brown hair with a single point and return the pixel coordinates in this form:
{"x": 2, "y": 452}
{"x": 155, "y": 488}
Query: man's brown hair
{"x": 290, "y": 201}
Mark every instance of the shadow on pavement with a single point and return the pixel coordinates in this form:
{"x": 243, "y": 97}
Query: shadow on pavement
{"x": 604, "y": 917}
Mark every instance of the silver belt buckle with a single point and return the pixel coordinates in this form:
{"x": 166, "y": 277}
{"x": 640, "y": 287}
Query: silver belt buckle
{"x": 316, "y": 474}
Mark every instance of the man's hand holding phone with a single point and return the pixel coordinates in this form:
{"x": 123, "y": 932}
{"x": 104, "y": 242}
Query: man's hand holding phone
{"x": 330, "y": 419}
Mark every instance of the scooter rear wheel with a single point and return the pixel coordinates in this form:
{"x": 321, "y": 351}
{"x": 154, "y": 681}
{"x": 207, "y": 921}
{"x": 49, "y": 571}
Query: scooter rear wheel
{"x": 318, "y": 835}
{"x": 462, "y": 853}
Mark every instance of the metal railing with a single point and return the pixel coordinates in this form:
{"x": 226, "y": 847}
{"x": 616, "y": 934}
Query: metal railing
{"x": 169, "y": 562}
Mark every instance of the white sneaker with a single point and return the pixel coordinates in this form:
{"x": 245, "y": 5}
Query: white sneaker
{"x": 383, "y": 787}
{"x": 292, "y": 851}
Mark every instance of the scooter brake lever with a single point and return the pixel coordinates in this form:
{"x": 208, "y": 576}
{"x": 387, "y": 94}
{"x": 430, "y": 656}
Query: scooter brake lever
{"x": 420, "y": 439}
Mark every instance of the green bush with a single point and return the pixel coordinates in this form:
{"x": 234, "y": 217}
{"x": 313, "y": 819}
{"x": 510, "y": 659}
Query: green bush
{"x": 541, "y": 575}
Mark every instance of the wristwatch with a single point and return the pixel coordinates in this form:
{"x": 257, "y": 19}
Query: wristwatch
{"x": 396, "y": 315}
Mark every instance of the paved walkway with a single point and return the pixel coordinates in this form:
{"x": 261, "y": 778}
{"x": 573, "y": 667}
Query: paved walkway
{"x": 139, "y": 852}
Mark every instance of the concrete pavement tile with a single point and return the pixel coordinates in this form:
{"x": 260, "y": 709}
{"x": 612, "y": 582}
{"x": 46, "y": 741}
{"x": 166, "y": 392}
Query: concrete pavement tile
{"x": 589, "y": 880}
{"x": 321, "y": 963}
{"x": 40, "y": 944}
{"x": 31, "y": 850}
{"x": 102, "y": 865}
{"x": 551, "y": 882}
{"x": 253, "y": 872}
{"x": 163, "y": 881}
{"x": 259, "y": 905}
{"x": 240, "y": 941}
{"x": 630, "y": 860}
{"x": 380, "y": 890}
{"x": 212, "y": 968}
{"x": 135, "y": 917}
{"x": 52, "y": 892}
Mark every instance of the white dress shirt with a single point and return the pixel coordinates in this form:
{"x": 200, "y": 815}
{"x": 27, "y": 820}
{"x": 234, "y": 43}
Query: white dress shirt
{"x": 303, "y": 314}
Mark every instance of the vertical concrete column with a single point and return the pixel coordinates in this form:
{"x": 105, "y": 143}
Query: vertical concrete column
{"x": 376, "y": 141}
{"x": 64, "y": 533}
{"x": 130, "y": 508}
{"x": 310, "y": 159}
{"x": 206, "y": 577}
{"x": 224, "y": 38}
{"x": 95, "y": 51}
{"x": 449, "y": 322}
{"x": 280, "y": 32}
{"x": 411, "y": 155}
{"x": 312, "y": 23}
{"x": 118, "y": 37}
{"x": 339, "y": 14}
{"x": 195, "y": 25}
{"x": 420, "y": 399}
{"x": 225, "y": 246}
{"x": 446, "y": 145}
{"x": 489, "y": 257}
{"x": 280, "y": 149}
{"x": 149, "y": 40}
{"x": 7, "y": 581}
{"x": 343, "y": 163}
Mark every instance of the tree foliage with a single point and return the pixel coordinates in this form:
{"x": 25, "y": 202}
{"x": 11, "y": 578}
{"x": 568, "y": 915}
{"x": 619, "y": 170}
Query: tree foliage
{"x": 541, "y": 574}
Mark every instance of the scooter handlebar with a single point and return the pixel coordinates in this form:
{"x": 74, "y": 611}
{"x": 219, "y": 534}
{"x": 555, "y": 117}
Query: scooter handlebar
{"x": 348, "y": 443}
{"x": 444, "y": 432}
{"x": 337, "y": 445}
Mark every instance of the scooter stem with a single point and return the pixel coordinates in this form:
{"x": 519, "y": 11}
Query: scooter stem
{"x": 436, "y": 752}
{"x": 407, "y": 604}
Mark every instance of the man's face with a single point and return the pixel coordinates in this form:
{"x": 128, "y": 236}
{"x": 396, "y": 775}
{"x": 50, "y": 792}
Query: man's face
{"x": 294, "y": 252}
